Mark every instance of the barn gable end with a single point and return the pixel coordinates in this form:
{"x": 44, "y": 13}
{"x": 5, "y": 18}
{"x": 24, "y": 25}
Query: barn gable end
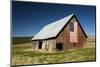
{"x": 64, "y": 36}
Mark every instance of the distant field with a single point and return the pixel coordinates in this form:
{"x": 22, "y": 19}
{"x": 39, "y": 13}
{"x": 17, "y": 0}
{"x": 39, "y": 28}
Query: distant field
{"x": 20, "y": 40}
{"x": 22, "y": 54}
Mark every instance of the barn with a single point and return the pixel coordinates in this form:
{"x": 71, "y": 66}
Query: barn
{"x": 63, "y": 34}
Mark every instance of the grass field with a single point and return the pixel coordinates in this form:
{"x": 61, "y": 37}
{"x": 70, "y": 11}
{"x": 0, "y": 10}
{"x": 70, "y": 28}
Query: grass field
{"x": 20, "y": 40}
{"x": 22, "y": 54}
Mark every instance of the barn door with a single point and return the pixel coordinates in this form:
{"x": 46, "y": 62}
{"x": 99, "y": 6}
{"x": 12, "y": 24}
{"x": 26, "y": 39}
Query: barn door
{"x": 40, "y": 45}
{"x": 59, "y": 46}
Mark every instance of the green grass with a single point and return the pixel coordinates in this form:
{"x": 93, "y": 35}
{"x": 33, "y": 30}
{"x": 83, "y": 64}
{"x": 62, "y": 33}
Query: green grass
{"x": 22, "y": 54}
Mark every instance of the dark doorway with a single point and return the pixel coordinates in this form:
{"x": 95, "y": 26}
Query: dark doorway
{"x": 40, "y": 45}
{"x": 59, "y": 46}
{"x": 74, "y": 45}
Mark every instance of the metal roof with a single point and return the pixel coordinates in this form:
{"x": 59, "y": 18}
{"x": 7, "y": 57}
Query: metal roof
{"x": 51, "y": 30}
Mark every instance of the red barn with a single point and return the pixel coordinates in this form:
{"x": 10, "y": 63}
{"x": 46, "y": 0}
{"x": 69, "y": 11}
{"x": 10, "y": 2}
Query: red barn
{"x": 63, "y": 34}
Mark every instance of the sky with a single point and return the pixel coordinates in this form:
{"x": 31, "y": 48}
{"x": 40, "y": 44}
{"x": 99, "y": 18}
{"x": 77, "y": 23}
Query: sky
{"x": 28, "y": 18}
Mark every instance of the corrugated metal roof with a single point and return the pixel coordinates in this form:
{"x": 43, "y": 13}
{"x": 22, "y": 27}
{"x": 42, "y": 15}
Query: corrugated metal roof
{"x": 51, "y": 30}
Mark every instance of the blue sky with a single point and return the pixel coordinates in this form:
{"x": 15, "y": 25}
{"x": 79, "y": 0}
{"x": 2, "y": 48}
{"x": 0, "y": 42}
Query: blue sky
{"x": 29, "y": 17}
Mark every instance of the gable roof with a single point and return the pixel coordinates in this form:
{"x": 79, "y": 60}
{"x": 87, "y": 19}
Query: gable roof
{"x": 53, "y": 29}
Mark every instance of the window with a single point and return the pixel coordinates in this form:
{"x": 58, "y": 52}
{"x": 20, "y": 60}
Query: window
{"x": 71, "y": 26}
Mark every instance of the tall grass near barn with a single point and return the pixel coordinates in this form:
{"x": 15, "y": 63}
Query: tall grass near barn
{"x": 22, "y": 54}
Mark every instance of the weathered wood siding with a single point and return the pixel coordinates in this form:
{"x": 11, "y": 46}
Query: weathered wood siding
{"x": 64, "y": 37}
{"x": 81, "y": 37}
{"x": 35, "y": 45}
{"x": 47, "y": 45}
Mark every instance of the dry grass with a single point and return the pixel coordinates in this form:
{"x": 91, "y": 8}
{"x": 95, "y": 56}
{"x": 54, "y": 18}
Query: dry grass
{"x": 90, "y": 42}
{"x": 22, "y": 54}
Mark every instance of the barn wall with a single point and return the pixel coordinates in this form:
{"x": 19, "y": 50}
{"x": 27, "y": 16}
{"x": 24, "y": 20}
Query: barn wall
{"x": 81, "y": 37}
{"x": 73, "y": 34}
{"x": 52, "y": 44}
{"x": 47, "y": 45}
{"x": 35, "y": 45}
{"x": 64, "y": 37}
{"x": 74, "y": 37}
